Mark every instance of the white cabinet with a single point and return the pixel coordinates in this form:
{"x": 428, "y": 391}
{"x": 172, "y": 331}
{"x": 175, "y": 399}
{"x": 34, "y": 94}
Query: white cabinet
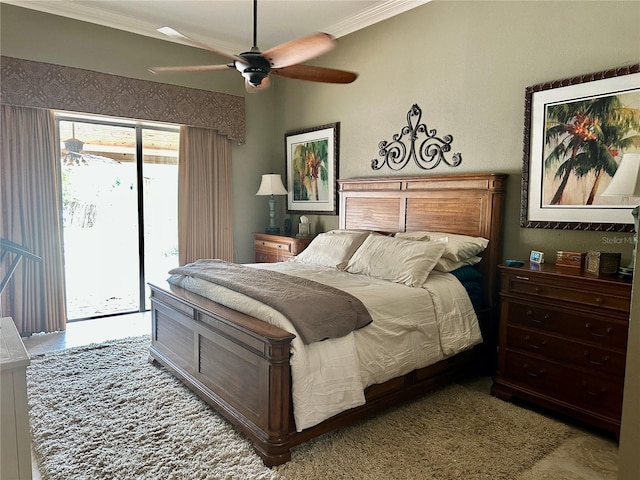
{"x": 15, "y": 440}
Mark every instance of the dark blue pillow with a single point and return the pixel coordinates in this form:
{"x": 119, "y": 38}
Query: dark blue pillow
{"x": 467, "y": 273}
{"x": 471, "y": 280}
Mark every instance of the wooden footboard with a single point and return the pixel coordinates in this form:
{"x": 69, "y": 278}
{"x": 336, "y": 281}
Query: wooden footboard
{"x": 236, "y": 363}
{"x": 240, "y": 366}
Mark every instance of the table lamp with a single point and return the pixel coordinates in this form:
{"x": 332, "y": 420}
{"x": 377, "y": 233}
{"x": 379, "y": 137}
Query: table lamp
{"x": 272, "y": 185}
{"x": 626, "y": 183}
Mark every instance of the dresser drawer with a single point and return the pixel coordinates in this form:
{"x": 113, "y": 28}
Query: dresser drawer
{"x": 590, "y": 392}
{"x": 581, "y": 326}
{"x": 585, "y": 356}
{"x": 529, "y": 285}
{"x": 265, "y": 257}
{"x": 275, "y": 246}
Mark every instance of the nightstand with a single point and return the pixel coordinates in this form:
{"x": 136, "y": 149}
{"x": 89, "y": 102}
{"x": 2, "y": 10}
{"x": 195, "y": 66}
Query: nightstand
{"x": 563, "y": 340}
{"x": 277, "y": 248}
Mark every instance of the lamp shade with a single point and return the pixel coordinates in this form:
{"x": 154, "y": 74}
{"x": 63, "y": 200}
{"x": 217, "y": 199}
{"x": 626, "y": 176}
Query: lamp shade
{"x": 271, "y": 185}
{"x": 626, "y": 181}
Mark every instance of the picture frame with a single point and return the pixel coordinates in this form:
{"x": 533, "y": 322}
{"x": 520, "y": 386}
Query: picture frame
{"x": 553, "y": 195}
{"x": 536, "y": 257}
{"x": 312, "y": 169}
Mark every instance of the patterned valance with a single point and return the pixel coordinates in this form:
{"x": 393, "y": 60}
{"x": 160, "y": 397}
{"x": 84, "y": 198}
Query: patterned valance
{"x": 45, "y": 85}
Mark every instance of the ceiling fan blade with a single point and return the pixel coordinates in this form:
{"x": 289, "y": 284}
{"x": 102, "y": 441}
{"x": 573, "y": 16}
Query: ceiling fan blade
{"x": 191, "y": 68}
{"x": 170, "y": 32}
{"x": 315, "y": 74}
{"x": 299, "y": 50}
{"x": 263, "y": 85}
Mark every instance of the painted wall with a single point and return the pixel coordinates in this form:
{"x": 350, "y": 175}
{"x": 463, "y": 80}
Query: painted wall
{"x": 467, "y": 65}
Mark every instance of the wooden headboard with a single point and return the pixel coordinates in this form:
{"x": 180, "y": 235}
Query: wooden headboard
{"x": 467, "y": 204}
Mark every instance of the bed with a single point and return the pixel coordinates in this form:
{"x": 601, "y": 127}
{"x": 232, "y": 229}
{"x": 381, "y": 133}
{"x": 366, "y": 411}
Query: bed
{"x": 242, "y": 365}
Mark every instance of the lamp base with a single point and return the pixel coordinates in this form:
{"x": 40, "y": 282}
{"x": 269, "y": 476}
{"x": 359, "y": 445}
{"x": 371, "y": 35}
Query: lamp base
{"x": 272, "y": 230}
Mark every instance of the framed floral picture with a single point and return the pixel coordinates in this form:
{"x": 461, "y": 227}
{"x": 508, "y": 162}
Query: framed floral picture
{"x": 577, "y": 132}
{"x": 312, "y": 169}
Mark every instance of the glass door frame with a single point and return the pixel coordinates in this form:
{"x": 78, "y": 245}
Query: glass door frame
{"x": 138, "y": 126}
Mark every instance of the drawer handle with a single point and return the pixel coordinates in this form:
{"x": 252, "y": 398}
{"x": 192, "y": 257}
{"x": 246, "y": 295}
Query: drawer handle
{"x": 593, "y": 393}
{"x": 533, "y": 374}
{"x": 537, "y": 289}
{"x": 543, "y": 343}
{"x": 599, "y": 300}
{"x": 605, "y": 359}
{"x": 279, "y": 246}
{"x": 608, "y": 331}
{"x": 546, "y": 316}
{"x": 518, "y": 277}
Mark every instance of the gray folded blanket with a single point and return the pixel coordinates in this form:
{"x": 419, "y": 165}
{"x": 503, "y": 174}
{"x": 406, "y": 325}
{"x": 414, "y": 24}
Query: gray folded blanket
{"x": 317, "y": 311}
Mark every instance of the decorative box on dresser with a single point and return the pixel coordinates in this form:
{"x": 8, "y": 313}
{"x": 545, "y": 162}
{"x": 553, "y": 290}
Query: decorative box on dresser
{"x": 277, "y": 248}
{"x": 563, "y": 340}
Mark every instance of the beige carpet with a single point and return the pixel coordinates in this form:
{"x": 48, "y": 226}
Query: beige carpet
{"x": 103, "y": 412}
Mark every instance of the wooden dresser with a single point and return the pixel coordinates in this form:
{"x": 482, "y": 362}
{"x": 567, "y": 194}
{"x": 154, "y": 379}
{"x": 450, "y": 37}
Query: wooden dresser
{"x": 277, "y": 248}
{"x": 563, "y": 340}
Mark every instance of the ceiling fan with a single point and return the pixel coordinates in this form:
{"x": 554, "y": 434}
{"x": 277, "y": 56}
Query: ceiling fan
{"x": 283, "y": 60}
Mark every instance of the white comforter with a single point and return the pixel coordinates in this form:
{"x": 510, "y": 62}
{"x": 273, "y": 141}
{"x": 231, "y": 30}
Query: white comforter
{"x": 412, "y": 328}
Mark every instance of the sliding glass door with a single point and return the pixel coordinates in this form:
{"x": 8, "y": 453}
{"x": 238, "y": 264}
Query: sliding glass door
{"x": 119, "y": 198}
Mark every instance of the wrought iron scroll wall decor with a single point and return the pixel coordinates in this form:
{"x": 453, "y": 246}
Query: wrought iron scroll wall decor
{"x": 427, "y": 153}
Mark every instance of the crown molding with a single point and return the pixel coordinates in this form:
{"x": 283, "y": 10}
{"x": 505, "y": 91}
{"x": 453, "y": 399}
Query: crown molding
{"x": 370, "y": 16}
{"x": 94, "y": 14}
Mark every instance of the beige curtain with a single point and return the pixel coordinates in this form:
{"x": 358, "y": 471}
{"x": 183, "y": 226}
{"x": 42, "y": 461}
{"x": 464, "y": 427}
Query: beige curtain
{"x": 30, "y": 199}
{"x": 205, "y": 227}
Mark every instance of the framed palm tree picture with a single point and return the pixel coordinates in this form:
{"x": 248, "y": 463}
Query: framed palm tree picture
{"x": 577, "y": 131}
{"x": 312, "y": 169}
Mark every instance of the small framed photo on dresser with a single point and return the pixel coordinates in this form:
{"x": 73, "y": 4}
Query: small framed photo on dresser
{"x": 536, "y": 257}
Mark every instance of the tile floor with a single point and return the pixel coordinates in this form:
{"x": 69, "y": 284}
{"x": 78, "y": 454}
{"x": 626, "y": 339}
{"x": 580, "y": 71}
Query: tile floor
{"x": 585, "y": 456}
{"x": 84, "y": 332}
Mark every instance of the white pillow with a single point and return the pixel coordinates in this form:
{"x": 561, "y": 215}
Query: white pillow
{"x": 396, "y": 259}
{"x": 448, "y": 265}
{"x": 331, "y": 250}
{"x": 420, "y": 236}
{"x": 458, "y": 247}
{"x": 346, "y": 230}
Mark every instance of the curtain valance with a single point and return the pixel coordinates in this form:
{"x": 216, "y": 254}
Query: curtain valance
{"x": 45, "y": 85}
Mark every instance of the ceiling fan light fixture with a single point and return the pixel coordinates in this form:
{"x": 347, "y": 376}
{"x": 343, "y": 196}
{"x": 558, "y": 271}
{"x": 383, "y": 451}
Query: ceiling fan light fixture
{"x": 254, "y": 69}
{"x": 241, "y": 66}
{"x": 254, "y": 76}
